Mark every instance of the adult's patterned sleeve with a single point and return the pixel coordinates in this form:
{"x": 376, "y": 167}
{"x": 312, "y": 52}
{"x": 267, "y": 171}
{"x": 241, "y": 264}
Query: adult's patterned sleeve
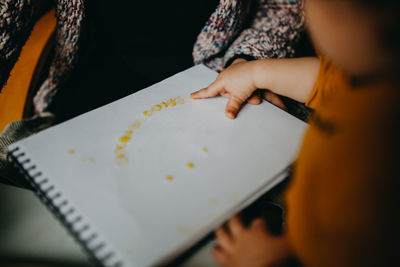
{"x": 70, "y": 17}
{"x": 17, "y": 18}
{"x": 267, "y": 30}
{"x": 273, "y": 32}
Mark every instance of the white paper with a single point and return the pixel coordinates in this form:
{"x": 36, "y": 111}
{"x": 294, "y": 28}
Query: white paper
{"x": 151, "y": 186}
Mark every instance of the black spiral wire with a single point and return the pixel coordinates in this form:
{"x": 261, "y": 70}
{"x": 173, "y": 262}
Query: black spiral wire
{"x": 49, "y": 195}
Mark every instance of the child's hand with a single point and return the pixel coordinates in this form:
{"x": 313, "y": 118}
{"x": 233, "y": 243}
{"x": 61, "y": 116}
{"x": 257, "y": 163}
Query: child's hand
{"x": 294, "y": 78}
{"x": 235, "y": 83}
{"x": 254, "y": 246}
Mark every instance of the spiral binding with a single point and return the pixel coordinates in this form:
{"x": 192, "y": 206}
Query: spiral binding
{"x": 63, "y": 211}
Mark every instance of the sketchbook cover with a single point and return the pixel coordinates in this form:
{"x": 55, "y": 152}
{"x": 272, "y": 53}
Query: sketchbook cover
{"x": 140, "y": 180}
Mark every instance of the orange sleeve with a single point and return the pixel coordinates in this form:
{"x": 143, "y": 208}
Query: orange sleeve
{"x": 329, "y": 78}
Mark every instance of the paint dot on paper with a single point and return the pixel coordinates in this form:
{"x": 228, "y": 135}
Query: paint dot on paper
{"x": 170, "y": 178}
{"x": 205, "y": 149}
{"x": 147, "y": 113}
{"x": 120, "y": 156}
{"x": 190, "y": 165}
{"x": 71, "y": 151}
{"x": 90, "y": 159}
{"x": 119, "y": 147}
{"x": 125, "y": 139}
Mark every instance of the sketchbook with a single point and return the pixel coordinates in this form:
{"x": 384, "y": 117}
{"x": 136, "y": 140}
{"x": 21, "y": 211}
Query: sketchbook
{"x": 140, "y": 180}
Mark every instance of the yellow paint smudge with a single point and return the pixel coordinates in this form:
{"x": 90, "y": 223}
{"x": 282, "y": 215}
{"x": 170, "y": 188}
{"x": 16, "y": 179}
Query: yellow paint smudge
{"x": 147, "y": 113}
{"x": 120, "y": 147}
{"x": 170, "y": 102}
{"x": 121, "y": 156}
{"x": 205, "y": 149}
{"x": 120, "y": 152}
{"x": 190, "y": 165}
{"x": 170, "y": 178}
{"x": 124, "y": 139}
{"x": 128, "y": 133}
{"x": 156, "y": 108}
{"x": 71, "y": 151}
{"x": 92, "y": 160}
{"x": 136, "y": 124}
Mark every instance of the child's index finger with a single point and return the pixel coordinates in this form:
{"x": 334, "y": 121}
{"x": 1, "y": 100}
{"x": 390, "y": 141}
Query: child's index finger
{"x": 210, "y": 91}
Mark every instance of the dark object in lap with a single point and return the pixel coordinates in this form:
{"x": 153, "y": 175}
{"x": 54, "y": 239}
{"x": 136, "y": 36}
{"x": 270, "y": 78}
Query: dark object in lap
{"x": 269, "y": 207}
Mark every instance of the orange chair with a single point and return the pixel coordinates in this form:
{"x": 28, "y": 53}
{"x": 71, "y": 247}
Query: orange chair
{"x": 27, "y": 74}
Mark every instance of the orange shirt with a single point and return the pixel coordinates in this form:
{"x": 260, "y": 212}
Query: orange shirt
{"x": 343, "y": 200}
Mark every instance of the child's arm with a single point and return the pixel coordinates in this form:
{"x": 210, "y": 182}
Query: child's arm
{"x": 293, "y": 78}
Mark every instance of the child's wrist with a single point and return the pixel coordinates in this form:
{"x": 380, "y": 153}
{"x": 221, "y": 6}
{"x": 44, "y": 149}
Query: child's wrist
{"x": 259, "y": 69}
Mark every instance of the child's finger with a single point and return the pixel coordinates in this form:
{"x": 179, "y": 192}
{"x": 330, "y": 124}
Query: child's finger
{"x": 210, "y": 91}
{"x": 220, "y": 255}
{"x": 258, "y": 223}
{"x": 223, "y": 238}
{"x": 254, "y": 99}
{"x": 233, "y": 106}
{"x": 235, "y": 225}
{"x": 225, "y": 94}
{"x": 274, "y": 99}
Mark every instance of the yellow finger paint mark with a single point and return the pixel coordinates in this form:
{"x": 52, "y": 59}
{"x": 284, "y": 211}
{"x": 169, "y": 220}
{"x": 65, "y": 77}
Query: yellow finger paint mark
{"x": 121, "y": 156}
{"x": 125, "y": 138}
{"x": 205, "y": 149}
{"x": 128, "y": 133}
{"x": 190, "y": 165}
{"x": 156, "y": 108}
{"x": 120, "y": 149}
{"x": 147, "y": 113}
{"x": 170, "y": 102}
{"x": 90, "y": 160}
{"x": 71, "y": 151}
{"x": 170, "y": 178}
{"x": 136, "y": 125}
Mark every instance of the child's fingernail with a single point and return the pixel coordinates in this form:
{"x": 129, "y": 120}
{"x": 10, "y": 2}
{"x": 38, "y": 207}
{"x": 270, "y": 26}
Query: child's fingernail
{"x": 230, "y": 115}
